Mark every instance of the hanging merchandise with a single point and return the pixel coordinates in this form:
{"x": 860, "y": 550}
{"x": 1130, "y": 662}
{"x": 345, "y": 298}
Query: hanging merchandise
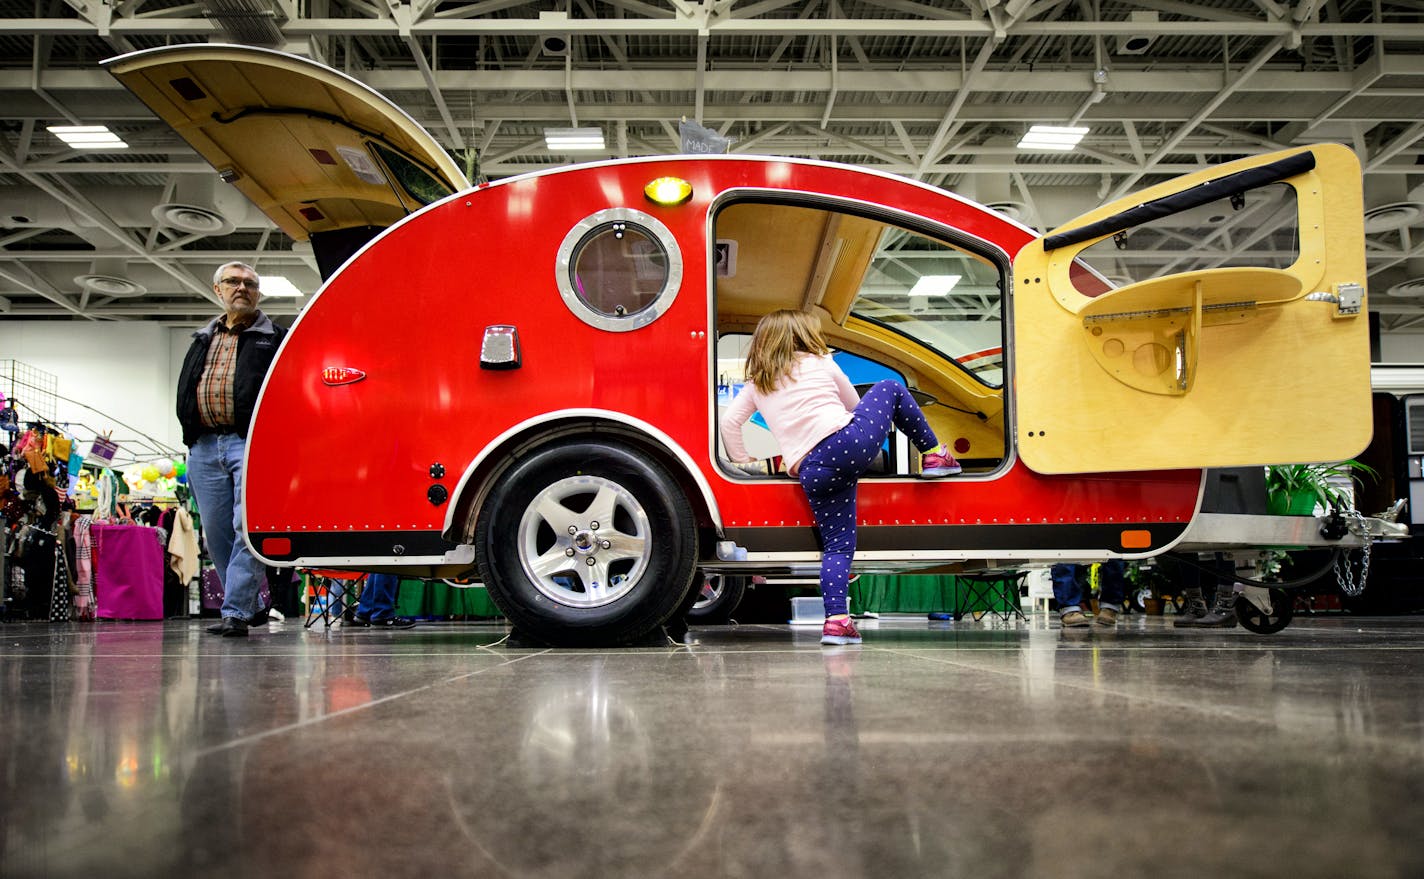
{"x": 84, "y": 569}
{"x": 60, "y": 598}
{"x": 113, "y": 567}
{"x": 9, "y": 418}
{"x": 58, "y": 446}
{"x": 103, "y": 449}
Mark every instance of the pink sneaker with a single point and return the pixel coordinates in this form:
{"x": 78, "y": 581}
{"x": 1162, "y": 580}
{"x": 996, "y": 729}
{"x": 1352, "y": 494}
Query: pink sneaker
{"x": 840, "y": 632}
{"x": 938, "y": 462}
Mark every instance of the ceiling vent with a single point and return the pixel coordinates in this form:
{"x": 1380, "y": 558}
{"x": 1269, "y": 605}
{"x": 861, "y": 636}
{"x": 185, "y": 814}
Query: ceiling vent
{"x": 106, "y": 278}
{"x": 1410, "y": 289}
{"x": 1390, "y": 217}
{"x": 1138, "y": 43}
{"x": 191, "y": 218}
{"x": 554, "y": 45}
{"x": 192, "y": 208}
{"x": 1014, "y": 210}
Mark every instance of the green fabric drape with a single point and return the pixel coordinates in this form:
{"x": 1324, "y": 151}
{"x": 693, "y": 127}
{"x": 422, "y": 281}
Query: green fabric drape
{"x": 921, "y": 593}
{"x": 436, "y": 598}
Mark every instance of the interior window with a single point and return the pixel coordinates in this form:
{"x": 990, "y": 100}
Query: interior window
{"x": 948, "y": 299}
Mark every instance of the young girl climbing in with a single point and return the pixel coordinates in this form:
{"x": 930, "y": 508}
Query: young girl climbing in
{"x": 828, "y": 436}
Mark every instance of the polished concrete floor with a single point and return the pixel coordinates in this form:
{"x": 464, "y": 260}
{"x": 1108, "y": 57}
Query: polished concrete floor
{"x": 936, "y": 749}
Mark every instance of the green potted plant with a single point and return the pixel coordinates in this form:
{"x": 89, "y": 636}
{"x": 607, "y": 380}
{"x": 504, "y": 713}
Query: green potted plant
{"x": 1296, "y": 489}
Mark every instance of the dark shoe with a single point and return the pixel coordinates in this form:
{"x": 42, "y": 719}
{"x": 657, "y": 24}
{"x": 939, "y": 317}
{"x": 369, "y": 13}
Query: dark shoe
{"x": 1193, "y": 609}
{"x": 392, "y": 623}
{"x": 261, "y": 618}
{"x": 230, "y": 627}
{"x": 1223, "y": 611}
{"x": 358, "y": 621}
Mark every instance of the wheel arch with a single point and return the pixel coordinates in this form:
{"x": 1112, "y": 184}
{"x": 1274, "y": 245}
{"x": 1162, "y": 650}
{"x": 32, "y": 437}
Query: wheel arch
{"x": 505, "y": 450}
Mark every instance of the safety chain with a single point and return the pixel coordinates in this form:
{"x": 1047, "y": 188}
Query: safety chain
{"x": 1343, "y": 574}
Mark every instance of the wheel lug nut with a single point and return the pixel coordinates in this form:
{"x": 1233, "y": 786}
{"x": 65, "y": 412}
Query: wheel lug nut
{"x": 573, "y": 529}
{"x": 593, "y": 526}
{"x": 606, "y": 544}
{"x": 569, "y": 552}
{"x": 590, "y": 561}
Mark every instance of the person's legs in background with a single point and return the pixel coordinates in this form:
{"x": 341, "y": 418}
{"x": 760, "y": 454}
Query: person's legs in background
{"x": 1196, "y": 576}
{"x": 1069, "y": 596}
{"x": 215, "y": 475}
{"x": 377, "y": 606}
{"x": 1112, "y": 588}
{"x": 1186, "y": 578}
{"x": 1222, "y": 613}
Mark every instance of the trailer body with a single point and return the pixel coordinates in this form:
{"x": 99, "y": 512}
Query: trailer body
{"x": 522, "y": 379}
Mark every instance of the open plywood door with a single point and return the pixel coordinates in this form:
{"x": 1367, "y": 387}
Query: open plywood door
{"x": 1216, "y": 368}
{"x": 317, "y": 151}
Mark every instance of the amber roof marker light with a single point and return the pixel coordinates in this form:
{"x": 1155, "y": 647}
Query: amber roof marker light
{"x": 668, "y": 191}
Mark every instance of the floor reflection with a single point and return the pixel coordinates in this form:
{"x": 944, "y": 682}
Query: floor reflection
{"x": 155, "y": 750}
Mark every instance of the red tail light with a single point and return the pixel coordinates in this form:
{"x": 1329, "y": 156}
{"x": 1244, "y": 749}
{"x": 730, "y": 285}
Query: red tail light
{"x": 341, "y": 375}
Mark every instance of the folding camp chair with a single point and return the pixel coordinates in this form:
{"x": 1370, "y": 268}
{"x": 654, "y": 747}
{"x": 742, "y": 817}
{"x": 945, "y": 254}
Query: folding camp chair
{"x": 331, "y": 595}
{"x": 997, "y": 592}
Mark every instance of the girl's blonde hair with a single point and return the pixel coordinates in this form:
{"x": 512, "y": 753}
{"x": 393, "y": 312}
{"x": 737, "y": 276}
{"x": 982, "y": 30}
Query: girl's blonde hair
{"x": 775, "y": 343}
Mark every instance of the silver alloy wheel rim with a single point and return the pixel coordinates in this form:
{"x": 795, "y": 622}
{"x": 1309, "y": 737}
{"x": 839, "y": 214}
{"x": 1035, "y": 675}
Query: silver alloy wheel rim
{"x": 712, "y": 588}
{"x": 588, "y": 546}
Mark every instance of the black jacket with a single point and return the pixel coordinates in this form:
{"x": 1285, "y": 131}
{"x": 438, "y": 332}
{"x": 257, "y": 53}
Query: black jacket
{"x": 256, "y": 349}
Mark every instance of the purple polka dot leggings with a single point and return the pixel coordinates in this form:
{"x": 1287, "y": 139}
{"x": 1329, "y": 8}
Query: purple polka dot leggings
{"x": 829, "y": 475}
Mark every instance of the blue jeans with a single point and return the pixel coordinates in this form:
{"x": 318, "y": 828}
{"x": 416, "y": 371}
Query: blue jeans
{"x": 215, "y": 476}
{"x": 1112, "y": 577}
{"x": 378, "y": 599}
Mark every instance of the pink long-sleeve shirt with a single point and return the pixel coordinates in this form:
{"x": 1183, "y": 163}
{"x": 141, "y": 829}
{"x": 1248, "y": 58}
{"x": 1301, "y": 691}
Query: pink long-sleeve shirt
{"x": 809, "y": 404}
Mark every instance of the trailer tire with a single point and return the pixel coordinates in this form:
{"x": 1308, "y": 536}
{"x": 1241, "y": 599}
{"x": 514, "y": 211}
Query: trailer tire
{"x": 718, "y": 598}
{"x": 586, "y": 544}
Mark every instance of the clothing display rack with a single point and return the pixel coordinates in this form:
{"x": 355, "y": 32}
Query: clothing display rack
{"x": 40, "y": 504}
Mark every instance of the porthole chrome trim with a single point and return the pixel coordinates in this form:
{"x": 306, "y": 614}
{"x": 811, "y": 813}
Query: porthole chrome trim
{"x": 581, "y": 231}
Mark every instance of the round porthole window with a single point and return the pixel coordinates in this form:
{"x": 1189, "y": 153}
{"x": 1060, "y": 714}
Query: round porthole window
{"x": 619, "y": 269}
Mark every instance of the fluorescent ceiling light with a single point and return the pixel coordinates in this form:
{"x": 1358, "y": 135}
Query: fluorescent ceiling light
{"x": 934, "y": 285}
{"x": 87, "y": 137}
{"x": 278, "y": 287}
{"x": 1052, "y": 137}
{"x": 569, "y": 139}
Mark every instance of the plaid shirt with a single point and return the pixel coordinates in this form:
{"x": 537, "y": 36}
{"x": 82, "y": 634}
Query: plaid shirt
{"x": 215, "y": 401}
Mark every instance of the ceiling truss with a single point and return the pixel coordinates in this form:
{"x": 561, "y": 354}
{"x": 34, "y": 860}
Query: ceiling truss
{"x": 936, "y": 91}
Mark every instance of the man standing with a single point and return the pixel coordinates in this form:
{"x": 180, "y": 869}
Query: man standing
{"x": 217, "y": 391}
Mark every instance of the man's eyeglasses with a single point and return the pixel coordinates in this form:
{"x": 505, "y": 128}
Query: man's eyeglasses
{"x": 234, "y": 283}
